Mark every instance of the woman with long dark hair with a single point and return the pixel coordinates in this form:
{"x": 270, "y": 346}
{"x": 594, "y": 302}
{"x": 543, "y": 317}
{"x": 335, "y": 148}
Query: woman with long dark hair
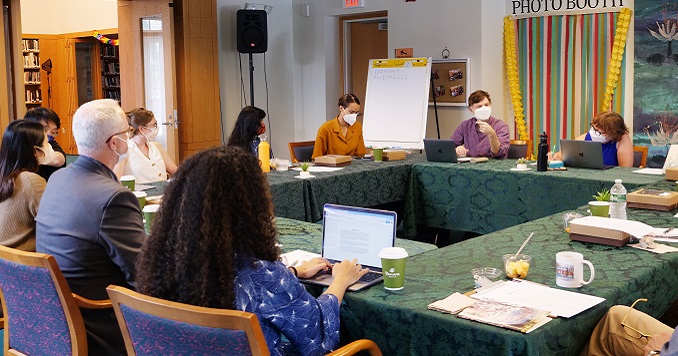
{"x": 24, "y": 147}
{"x": 249, "y": 126}
{"x": 213, "y": 244}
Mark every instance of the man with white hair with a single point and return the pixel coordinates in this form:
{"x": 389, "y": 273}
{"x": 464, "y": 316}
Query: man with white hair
{"x": 90, "y": 223}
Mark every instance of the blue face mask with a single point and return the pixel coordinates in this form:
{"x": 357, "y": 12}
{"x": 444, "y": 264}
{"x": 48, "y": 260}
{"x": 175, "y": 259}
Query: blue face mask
{"x": 50, "y": 138}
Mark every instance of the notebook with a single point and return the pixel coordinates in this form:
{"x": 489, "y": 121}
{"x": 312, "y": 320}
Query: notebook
{"x": 351, "y": 232}
{"x": 582, "y": 154}
{"x": 442, "y": 151}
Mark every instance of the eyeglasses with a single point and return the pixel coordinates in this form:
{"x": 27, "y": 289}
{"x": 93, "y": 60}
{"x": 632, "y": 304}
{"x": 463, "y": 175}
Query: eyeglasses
{"x": 129, "y": 130}
{"x": 600, "y": 133}
{"x": 153, "y": 127}
{"x": 631, "y": 331}
{"x": 48, "y": 131}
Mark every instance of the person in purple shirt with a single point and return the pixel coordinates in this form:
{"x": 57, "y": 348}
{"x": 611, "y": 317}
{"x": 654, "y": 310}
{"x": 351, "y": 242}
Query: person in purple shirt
{"x": 482, "y": 135}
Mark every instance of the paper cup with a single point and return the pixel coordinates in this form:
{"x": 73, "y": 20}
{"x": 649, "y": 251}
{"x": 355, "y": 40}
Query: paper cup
{"x": 393, "y": 266}
{"x": 282, "y": 165}
{"x": 378, "y": 154}
{"x": 128, "y": 181}
{"x": 600, "y": 208}
{"x": 149, "y": 214}
{"x": 141, "y": 197}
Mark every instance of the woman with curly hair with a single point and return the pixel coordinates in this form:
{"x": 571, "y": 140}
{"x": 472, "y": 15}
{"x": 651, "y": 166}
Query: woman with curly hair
{"x": 213, "y": 245}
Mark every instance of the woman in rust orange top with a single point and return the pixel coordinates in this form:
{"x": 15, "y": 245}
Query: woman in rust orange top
{"x": 343, "y": 135}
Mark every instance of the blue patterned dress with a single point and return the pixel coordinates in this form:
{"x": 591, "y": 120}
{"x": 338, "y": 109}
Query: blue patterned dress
{"x": 285, "y": 308}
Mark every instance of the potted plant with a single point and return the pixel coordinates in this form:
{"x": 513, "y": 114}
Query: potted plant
{"x": 304, "y": 170}
{"x": 601, "y": 205}
{"x": 521, "y": 163}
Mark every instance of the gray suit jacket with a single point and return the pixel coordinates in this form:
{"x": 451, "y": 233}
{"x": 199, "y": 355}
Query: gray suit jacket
{"x": 92, "y": 226}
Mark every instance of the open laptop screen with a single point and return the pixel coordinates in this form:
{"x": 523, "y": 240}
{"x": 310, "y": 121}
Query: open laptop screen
{"x": 350, "y": 232}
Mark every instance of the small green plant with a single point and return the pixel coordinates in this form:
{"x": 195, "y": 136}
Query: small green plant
{"x": 603, "y": 195}
{"x": 304, "y": 166}
{"x": 521, "y": 161}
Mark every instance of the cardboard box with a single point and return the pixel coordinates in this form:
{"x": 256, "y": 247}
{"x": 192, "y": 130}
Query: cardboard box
{"x": 598, "y": 235}
{"x": 652, "y": 199}
{"x": 671, "y": 173}
{"x": 333, "y": 160}
{"x": 393, "y": 155}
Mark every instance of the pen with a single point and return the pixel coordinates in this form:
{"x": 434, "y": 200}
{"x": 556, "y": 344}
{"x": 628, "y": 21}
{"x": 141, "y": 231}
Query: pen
{"x": 553, "y": 152}
{"x": 667, "y": 230}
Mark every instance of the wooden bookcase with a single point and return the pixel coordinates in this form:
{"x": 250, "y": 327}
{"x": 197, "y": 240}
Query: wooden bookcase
{"x": 110, "y": 71}
{"x": 31, "y": 56}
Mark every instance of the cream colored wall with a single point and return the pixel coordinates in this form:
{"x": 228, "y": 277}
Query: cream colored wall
{"x": 67, "y": 16}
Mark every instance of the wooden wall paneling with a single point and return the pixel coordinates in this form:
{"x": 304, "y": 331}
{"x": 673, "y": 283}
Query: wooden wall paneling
{"x": 197, "y": 75}
{"x": 5, "y": 92}
{"x": 131, "y": 51}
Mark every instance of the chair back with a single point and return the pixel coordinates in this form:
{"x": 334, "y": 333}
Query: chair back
{"x": 520, "y": 149}
{"x": 301, "y": 151}
{"x": 150, "y": 325}
{"x": 41, "y": 315}
{"x": 639, "y": 156}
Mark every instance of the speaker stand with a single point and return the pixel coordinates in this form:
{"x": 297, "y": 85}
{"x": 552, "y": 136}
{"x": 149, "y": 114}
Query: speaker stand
{"x": 435, "y": 103}
{"x": 251, "y": 81}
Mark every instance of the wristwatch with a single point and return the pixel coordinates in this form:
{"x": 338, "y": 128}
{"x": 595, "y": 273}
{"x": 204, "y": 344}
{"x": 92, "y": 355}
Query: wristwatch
{"x": 653, "y": 352}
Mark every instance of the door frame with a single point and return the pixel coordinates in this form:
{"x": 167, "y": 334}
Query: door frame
{"x": 344, "y": 41}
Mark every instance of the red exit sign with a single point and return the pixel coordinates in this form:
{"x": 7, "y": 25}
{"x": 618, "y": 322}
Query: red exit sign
{"x": 349, "y": 4}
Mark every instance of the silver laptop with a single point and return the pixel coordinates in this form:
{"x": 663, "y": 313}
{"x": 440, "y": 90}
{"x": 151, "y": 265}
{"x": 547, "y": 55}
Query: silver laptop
{"x": 582, "y": 154}
{"x": 442, "y": 151}
{"x": 351, "y": 232}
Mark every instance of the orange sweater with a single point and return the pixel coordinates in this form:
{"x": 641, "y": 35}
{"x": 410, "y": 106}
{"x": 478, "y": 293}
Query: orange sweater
{"x": 330, "y": 140}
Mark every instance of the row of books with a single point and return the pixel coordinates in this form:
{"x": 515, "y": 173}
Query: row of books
{"x": 112, "y": 94}
{"x": 31, "y": 60}
{"x": 112, "y": 68}
{"x": 32, "y": 77}
{"x": 33, "y": 96}
{"x": 112, "y": 81}
{"x": 109, "y": 51}
{"x": 30, "y": 45}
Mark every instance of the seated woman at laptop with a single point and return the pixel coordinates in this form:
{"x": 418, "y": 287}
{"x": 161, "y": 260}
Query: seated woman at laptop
{"x": 343, "y": 135}
{"x": 609, "y": 129}
{"x": 213, "y": 244}
{"x": 482, "y": 135}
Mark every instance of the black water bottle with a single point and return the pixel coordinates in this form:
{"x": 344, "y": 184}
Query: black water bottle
{"x": 542, "y": 153}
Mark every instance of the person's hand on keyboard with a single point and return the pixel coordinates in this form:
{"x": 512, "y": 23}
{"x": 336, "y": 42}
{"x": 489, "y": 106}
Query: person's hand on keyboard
{"x": 311, "y": 267}
{"x": 348, "y": 272}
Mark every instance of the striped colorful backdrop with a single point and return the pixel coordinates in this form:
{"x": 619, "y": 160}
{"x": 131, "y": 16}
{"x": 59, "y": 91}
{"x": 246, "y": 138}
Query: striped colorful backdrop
{"x": 562, "y": 64}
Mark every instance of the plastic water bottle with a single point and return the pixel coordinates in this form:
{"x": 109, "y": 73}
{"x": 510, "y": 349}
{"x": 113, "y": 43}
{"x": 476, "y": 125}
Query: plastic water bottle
{"x": 265, "y": 154}
{"x": 618, "y": 200}
{"x": 542, "y": 153}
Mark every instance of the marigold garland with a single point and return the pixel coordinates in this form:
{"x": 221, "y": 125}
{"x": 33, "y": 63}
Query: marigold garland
{"x": 614, "y": 68}
{"x": 514, "y": 81}
{"x": 105, "y": 39}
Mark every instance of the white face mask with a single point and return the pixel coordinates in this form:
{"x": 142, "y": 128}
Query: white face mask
{"x": 121, "y": 156}
{"x": 597, "y": 136}
{"x": 48, "y": 154}
{"x": 350, "y": 119}
{"x": 151, "y": 136}
{"x": 483, "y": 113}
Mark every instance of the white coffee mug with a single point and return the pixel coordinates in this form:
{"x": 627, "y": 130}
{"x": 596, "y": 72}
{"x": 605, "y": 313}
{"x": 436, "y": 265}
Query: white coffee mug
{"x": 570, "y": 269}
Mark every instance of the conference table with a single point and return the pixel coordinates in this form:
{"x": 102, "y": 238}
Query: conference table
{"x": 490, "y": 196}
{"x": 400, "y": 323}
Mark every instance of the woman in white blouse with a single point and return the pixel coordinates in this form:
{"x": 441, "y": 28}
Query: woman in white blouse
{"x": 146, "y": 160}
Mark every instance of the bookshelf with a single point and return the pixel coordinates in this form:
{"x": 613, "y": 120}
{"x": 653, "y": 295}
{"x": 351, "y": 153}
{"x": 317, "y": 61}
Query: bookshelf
{"x": 31, "y": 57}
{"x": 110, "y": 72}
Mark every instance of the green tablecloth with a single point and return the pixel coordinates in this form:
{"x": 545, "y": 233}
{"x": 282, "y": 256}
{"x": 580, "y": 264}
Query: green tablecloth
{"x": 400, "y": 323}
{"x": 487, "y": 197}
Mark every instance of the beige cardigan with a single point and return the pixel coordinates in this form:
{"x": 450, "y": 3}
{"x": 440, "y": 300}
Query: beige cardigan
{"x": 17, "y": 214}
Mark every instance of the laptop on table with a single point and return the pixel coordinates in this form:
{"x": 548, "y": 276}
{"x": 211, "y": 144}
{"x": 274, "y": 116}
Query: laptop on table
{"x": 582, "y": 154}
{"x": 352, "y": 232}
{"x": 442, "y": 151}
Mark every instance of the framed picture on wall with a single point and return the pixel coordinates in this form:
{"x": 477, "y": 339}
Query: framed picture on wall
{"x": 451, "y": 80}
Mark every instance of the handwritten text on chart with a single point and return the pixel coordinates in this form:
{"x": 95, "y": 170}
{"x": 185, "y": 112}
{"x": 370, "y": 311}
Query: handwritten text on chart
{"x": 389, "y": 74}
{"x": 521, "y": 7}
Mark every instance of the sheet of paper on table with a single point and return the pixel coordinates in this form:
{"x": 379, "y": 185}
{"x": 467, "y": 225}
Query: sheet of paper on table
{"x": 453, "y": 304}
{"x": 315, "y": 169}
{"x": 665, "y": 235}
{"x": 658, "y": 248}
{"x": 524, "y": 293}
{"x": 631, "y": 227}
{"x": 297, "y": 257}
{"x": 650, "y": 171}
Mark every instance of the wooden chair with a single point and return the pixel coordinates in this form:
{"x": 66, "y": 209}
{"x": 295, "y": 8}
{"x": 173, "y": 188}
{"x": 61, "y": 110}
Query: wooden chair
{"x": 41, "y": 314}
{"x": 150, "y": 325}
{"x": 301, "y": 151}
{"x": 639, "y": 156}
{"x": 520, "y": 149}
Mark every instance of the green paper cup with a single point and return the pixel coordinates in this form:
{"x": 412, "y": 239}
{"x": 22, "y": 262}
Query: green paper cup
{"x": 141, "y": 197}
{"x": 128, "y": 181}
{"x": 393, "y": 265}
{"x": 378, "y": 154}
{"x": 600, "y": 208}
{"x": 149, "y": 214}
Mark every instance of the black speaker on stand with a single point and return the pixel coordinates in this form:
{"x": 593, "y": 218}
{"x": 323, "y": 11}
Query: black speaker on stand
{"x": 252, "y": 37}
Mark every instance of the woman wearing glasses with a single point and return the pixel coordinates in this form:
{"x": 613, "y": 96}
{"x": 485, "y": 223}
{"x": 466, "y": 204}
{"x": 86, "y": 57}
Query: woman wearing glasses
{"x": 147, "y": 160}
{"x": 24, "y": 147}
{"x": 343, "y": 135}
{"x": 609, "y": 129}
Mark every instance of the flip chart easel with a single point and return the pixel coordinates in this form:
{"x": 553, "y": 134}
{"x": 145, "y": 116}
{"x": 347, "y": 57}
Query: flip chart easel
{"x": 396, "y": 102}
